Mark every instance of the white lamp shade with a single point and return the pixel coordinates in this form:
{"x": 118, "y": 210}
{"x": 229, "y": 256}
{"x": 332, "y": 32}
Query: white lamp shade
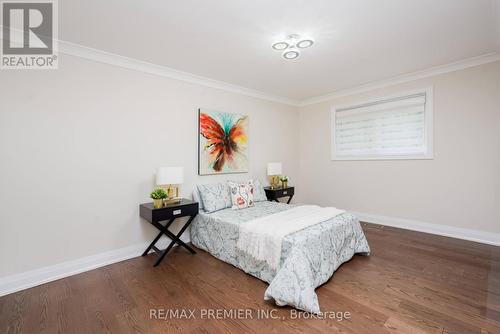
{"x": 274, "y": 168}
{"x": 169, "y": 175}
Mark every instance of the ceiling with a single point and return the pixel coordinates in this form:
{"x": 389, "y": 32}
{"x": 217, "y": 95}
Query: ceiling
{"x": 356, "y": 41}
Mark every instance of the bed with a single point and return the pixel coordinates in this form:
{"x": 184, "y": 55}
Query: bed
{"x": 309, "y": 257}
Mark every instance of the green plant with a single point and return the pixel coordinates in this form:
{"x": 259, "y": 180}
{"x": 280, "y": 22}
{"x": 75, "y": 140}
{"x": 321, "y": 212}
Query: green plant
{"x": 284, "y": 178}
{"x": 159, "y": 193}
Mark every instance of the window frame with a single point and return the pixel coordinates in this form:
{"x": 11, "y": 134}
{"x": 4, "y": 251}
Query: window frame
{"x": 428, "y": 130}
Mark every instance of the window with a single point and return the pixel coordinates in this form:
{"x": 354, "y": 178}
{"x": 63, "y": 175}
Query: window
{"x": 397, "y": 127}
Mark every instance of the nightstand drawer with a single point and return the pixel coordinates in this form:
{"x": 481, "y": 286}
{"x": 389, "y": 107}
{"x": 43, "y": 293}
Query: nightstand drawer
{"x": 284, "y": 192}
{"x": 177, "y": 211}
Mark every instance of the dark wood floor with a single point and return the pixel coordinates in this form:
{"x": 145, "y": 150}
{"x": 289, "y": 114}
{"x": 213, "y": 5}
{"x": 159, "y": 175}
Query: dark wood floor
{"x": 412, "y": 283}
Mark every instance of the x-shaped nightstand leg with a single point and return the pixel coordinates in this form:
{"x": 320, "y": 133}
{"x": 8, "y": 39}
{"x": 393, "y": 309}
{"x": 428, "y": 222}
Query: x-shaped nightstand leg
{"x": 174, "y": 237}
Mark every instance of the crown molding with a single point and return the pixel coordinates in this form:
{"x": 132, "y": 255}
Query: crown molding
{"x": 441, "y": 69}
{"x": 142, "y": 66}
{"x": 101, "y": 56}
{"x": 109, "y": 58}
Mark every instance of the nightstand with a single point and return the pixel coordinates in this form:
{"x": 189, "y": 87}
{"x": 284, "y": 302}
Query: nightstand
{"x": 276, "y": 193}
{"x": 169, "y": 213}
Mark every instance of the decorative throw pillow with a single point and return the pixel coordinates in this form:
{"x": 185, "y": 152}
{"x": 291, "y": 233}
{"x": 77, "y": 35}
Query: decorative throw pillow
{"x": 241, "y": 195}
{"x": 214, "y": 196}
{"x": 259, "y": 195}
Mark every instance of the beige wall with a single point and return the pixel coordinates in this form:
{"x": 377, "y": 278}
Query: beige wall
{"x": 79, "y": 147}
{"x": 460, "y": 187}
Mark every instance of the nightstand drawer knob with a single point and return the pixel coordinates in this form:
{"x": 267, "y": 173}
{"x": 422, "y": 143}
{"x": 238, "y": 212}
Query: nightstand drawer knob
{"x": 285, "y": 192}
{"x": 177, "y": 212}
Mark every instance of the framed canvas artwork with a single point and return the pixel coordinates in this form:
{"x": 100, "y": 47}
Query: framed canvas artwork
{"x": 222, "y": 142}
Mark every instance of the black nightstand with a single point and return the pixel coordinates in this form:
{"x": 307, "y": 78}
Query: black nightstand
{"x": 274, "y": 194}
{"x": 186, "y": 208}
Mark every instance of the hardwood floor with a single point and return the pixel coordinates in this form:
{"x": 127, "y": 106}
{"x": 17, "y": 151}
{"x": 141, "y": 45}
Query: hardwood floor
{"x": 412, "y": 283}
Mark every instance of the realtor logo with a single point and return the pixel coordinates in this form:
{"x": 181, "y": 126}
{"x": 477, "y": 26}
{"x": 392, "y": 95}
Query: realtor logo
{"x": 29, "y": 35}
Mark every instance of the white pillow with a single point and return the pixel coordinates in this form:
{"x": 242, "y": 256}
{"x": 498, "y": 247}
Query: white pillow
{"x": 259, "y": 195}
{"x": 197, "y": 198}
{"x": 241, "y": 195}
{"x": 215, "y": 196}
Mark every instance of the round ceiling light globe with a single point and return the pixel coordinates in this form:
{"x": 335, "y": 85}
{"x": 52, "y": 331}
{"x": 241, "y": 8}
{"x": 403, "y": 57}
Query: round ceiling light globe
{"x": 280, "y": 46}
{"x": 290, "y": 54}
{"x": 305, "y": 43}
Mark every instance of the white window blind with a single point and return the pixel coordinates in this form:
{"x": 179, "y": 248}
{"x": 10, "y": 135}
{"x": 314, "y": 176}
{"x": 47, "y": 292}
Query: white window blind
{"x": 387, "y": 129}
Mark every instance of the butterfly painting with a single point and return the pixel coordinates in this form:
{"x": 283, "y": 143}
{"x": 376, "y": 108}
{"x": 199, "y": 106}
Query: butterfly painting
{"x": 223, "y": 141}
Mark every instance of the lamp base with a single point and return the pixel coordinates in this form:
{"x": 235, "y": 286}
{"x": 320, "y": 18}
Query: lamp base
{"x": 170, "y": 201}
{"x": 274, "y": 184}
{"x": 173, "y": 195}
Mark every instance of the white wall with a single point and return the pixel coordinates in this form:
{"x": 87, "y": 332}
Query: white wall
{"x": 79, "y": 147}
{"x": 460, "y": 187}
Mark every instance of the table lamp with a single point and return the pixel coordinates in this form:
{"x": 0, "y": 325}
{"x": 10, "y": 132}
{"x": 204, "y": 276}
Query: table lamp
{"x": 170, "y": 177}
{"x": 273, "y": 170}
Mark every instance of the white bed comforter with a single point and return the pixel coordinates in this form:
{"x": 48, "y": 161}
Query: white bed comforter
{"x": 309, "y": 257}
{"x": 262, "y": 237}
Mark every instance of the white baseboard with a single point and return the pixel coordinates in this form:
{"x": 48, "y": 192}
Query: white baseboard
{"x": 29, "y": 279}
{"x": 484, "y": 237}
{"x": 17, "y": 282}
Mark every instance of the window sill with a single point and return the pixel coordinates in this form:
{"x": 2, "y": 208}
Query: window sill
{"x": 369, "y": 158}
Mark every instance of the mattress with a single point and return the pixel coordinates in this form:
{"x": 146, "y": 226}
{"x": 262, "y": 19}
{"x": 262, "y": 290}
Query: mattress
{"x": 309, "y": 257}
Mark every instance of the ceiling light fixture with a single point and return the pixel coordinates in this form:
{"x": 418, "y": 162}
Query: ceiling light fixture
{"x": 291, "y": 45}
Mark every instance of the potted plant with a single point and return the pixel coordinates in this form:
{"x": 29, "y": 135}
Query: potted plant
{"x": 284, "y": 181}
{"x": 158, "y": 195}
